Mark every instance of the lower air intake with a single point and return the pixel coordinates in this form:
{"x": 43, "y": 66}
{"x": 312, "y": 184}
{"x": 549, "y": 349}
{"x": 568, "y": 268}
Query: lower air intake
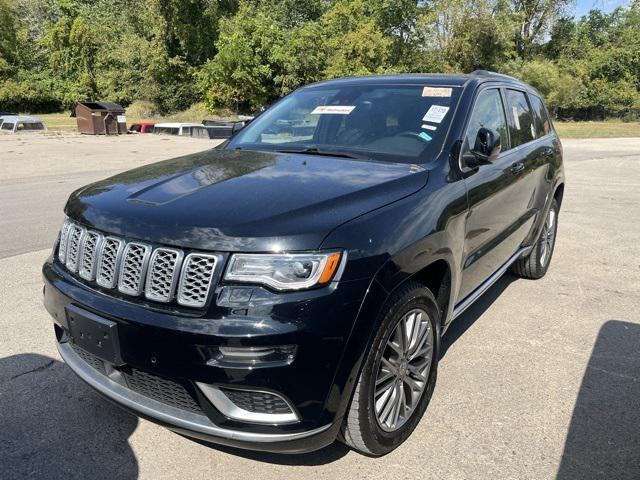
{"x": 257, "y": 402}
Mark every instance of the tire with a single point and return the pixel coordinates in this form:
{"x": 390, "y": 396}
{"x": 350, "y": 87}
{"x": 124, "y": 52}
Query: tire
{"x": 364, "y": 429}
{"x": 536, "y": 264}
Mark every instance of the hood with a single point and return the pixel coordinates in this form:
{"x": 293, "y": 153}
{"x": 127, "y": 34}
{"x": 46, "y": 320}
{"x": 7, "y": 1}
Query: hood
{"x": 242, "y": 200}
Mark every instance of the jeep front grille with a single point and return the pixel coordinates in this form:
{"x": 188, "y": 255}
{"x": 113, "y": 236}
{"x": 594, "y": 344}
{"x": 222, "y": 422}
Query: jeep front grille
{"x": 133, "y": 268}
{"x": 196, "y": 279}
{"x": 88, "y": 263}
{"x": 163, "y": 274}
{"x": 108, "y": 261}
{"x": 64, "y": 237}
{"x": 137, "y": 268}
{"x": 74, "y": 242}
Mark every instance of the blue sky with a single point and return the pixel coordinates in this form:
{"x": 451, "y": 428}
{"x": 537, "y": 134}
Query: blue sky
{"x": 583, "y": 6}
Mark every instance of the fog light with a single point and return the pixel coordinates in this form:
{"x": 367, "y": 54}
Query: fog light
{"x": 252, "y": 357}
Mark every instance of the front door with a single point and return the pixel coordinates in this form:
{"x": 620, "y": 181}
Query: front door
{"x": 495, "y": 224}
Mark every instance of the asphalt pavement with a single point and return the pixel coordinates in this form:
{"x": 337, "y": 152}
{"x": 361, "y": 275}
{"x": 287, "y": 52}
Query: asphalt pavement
{"x": 539, "y": 379}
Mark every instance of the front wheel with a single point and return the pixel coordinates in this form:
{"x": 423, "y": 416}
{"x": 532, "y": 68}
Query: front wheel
{"x": 536, "y": 264}
{"x": 398, "y": 376}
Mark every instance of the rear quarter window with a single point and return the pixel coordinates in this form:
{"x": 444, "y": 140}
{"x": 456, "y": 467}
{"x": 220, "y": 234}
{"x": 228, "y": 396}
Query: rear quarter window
{"x": 521, "y": 127}
{"x": 7, "y": 126}
{"x": 540, "y": 116}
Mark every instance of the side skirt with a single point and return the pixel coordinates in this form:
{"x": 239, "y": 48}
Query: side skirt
{"x": 473, "y": 296}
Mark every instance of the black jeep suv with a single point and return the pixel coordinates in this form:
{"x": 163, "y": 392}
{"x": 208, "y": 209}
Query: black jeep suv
{"x": 291, "y": 286}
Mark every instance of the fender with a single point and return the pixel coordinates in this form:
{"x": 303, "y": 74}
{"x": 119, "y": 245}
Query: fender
{"x": 430, "y": 226}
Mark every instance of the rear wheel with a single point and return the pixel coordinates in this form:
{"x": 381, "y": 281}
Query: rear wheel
{"x": 398, "y": 375}
{"x": 536, "y": 264}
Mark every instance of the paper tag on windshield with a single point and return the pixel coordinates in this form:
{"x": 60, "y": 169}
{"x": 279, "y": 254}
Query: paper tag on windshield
{"x": 429, "y": 127}
{"x": 333, "y": 109}
{"x": 436, "y": 92}
{"x": 435, "y": 114}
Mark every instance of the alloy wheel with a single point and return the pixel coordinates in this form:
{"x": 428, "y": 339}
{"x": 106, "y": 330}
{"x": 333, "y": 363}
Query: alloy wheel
{"x": 403, "y": 370}
{"x": 548, "y": 237}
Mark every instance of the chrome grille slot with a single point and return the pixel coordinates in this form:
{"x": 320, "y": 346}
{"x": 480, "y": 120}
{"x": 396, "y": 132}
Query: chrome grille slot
{"x": 64, "y": 236}
{"x": 195, "y": 279}
{"x": 163, "y": 274}
{"x": 108, "y": 262}
{"x": 89, "y": 257}
{"x": 134, "y": 265}
{"x": 74, "y": 242}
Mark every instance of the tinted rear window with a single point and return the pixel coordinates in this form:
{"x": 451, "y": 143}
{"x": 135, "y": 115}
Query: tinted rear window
{"x": 541, "y": 117}
{"x": 7, "y": 126}
{"x": 520, "y": 118}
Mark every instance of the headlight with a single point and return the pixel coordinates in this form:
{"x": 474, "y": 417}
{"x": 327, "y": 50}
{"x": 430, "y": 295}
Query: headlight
{"x": 284, "y": 271}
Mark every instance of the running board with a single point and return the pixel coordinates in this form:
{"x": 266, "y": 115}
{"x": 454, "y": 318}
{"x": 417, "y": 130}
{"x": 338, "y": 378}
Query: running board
{"x": 473, "y": 296}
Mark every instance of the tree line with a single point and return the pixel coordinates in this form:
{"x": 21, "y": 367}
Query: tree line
{"x": 241, "y": 54}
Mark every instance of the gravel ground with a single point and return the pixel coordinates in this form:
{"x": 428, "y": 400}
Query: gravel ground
{"x": 539, "y": 379}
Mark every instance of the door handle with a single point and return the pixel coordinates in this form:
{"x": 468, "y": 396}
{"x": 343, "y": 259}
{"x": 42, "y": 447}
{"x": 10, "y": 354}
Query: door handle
{"x": 517, "y": 168}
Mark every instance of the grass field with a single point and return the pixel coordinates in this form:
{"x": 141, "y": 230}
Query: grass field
{"x": 63, "y": 122}
{"x": 609, "y": 129}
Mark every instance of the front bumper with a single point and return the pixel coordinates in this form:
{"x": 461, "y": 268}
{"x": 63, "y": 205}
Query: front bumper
{"x": 175, "y": 346}
{"x": 193, "y": 424}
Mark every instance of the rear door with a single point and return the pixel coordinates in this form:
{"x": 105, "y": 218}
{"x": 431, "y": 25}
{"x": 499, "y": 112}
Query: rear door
{"x": 496, "y": 223}
{"x": 533, "y": 138}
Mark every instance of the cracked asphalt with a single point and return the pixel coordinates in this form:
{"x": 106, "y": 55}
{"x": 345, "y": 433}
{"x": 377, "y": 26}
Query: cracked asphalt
{"x": 539, "y": 379}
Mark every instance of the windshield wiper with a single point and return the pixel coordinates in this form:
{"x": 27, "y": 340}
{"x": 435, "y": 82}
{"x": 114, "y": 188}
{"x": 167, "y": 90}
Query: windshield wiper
{"x": 328, "y": 153}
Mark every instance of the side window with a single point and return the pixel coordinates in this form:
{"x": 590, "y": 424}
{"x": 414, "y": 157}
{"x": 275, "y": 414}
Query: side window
{"x": 488, "y": 113}
{"x": 540, "y": 116}
{"x": 520, "y": 118}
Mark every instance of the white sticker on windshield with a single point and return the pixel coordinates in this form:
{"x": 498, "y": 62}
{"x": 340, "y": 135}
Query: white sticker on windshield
{"x": 435, "y": 114}
{"x": 333, "y": 109}
{"x": 429, "y": 127}
{"x": 436, "y": 92}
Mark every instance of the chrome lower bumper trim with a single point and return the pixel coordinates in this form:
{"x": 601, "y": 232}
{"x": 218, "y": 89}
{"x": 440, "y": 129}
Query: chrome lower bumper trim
{"x": 233, "y": 411}
{"x": 166, "y": 413}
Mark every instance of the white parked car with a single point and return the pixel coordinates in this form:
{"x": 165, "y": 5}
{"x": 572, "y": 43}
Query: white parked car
{"x": 181, "y": 129}
{"x": 21, "y": 124}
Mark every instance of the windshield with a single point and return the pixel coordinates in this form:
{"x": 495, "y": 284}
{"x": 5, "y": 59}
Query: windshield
{"x": 395, "y": 123}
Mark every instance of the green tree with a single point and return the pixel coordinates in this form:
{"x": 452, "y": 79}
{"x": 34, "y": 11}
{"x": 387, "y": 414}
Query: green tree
{"x": 240, "y": 73}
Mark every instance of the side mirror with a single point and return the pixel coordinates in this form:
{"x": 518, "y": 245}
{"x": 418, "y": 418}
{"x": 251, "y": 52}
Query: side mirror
{"x": 487, "y": 146}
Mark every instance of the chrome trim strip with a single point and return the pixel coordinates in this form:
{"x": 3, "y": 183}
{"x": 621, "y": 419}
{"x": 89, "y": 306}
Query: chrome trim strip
{"x": 165, "y": 413}
{"x": 231, "y": 410}
{"x": 473, "y": 296}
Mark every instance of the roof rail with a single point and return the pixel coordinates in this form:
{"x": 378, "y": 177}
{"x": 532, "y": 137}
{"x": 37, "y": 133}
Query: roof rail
{"x": 489, "y": 73}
